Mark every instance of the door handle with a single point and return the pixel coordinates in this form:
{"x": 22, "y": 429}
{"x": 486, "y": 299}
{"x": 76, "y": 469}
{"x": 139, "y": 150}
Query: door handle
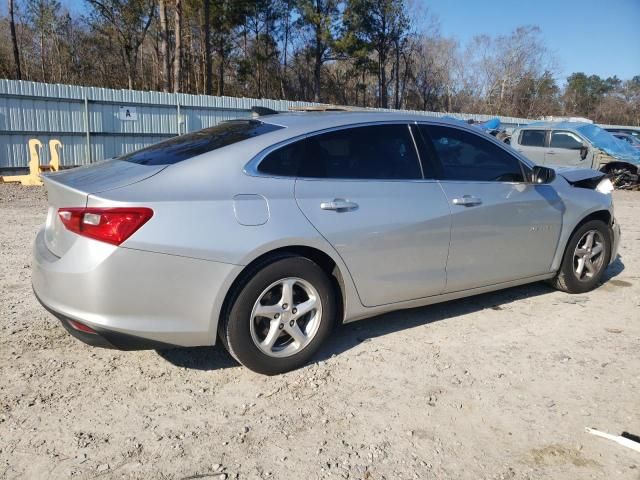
{"x": 551, "y": 152}
{"x": 467, "y": 201}
{"x": 338, "y": 204}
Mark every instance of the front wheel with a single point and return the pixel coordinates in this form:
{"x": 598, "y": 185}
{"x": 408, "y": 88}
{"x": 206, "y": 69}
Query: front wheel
{"x": 280, "y": 316}
{"x": 585, "y": 258}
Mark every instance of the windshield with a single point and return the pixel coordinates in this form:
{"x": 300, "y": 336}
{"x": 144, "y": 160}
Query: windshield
{"x": 632, "y": 140}
{"x": 183, "y": 147}
{"x": 610, "y": 144}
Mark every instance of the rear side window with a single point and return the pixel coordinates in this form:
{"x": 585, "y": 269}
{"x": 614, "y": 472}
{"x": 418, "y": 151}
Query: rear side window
{"x": 532, "y": 138}
{"x": 284, "y": 161}
{"x": 560, "y": 139}
{"x": 467, "y": 156}
{"x": 190, "y": 145}
{"x": 370, "y": 152}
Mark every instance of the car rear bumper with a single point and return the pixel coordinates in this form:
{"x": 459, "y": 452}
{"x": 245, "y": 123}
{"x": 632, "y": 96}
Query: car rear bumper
{"x": 132, "y": 299}
{"x": 106, "y": 338}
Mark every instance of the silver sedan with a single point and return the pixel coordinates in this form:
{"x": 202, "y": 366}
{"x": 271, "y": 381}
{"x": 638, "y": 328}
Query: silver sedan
{"x": 264, "y": 233}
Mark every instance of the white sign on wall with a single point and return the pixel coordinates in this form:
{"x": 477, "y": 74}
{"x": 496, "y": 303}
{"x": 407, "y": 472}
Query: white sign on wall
{"x": 128, "y": 113}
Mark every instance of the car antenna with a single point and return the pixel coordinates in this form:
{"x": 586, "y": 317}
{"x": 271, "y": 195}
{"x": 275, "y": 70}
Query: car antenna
{"x": 261, "y": 111}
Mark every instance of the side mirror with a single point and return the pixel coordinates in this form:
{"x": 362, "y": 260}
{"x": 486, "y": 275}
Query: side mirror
{"x": 584, "y": 151}
{"x": 542, "y": 174}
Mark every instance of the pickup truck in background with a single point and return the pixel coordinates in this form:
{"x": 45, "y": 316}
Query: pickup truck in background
{"x": 579, "y": 144}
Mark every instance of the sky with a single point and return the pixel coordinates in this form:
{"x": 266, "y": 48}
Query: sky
{"x": 599, "y": 37}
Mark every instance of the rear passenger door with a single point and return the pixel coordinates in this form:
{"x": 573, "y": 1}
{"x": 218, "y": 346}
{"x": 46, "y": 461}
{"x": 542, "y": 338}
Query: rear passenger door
{"x": 564, "y": 150}
{"x": 364, "y": 190}
{"x": 532, "y": 144}
{"x": 502, "y": 227}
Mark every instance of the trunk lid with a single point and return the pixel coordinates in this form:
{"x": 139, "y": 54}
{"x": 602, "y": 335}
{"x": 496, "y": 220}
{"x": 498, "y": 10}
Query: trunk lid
{"x": 70, "y": 188}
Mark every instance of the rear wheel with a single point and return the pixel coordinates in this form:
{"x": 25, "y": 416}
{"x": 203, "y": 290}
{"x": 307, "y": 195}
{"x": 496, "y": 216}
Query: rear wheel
{"x": 280, "y": 316}
{"x": 585, "y": 258}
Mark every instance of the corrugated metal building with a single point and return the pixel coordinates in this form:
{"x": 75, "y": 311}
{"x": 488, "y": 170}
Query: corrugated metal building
{"x": 98, "y": 123}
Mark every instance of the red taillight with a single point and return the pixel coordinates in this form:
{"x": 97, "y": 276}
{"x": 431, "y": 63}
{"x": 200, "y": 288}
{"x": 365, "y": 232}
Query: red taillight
{"x": 111, "y": 225}
{"x": 81, "y": 327}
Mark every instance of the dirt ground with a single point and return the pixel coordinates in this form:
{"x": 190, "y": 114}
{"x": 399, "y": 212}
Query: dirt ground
{"x": 498, "y": 386}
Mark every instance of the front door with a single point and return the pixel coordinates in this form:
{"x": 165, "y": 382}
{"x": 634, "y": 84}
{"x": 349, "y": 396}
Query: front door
{"x": 502, "y": 228}
{"x": 363, "y": 190}
{"x": 564, "y": 150}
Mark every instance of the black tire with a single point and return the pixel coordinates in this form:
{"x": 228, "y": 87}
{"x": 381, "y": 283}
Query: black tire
{"x": 235, "y": 325}
{"x": 567, "y": 279}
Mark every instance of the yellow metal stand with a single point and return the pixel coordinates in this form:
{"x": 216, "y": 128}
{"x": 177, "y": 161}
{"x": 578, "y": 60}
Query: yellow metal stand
{"x": 54, "y": 151}
{"x": 35, "y": 169}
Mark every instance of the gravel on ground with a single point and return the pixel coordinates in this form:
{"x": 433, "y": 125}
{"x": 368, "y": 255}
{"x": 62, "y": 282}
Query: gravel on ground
{"x": 497, "y": 386}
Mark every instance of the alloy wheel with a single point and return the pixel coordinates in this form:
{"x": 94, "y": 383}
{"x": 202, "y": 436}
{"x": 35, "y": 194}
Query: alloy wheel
{"x": 588, "y": 258}
{"x": 286, "y": 317}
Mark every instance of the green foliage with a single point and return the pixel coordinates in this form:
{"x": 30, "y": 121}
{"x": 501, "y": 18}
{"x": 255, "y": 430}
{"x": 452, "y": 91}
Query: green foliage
{"x": 376, "y": 28}
{"x": 320, "y": 17}
{"x": 583, "y": 93}
{"x": 375, "y": 25}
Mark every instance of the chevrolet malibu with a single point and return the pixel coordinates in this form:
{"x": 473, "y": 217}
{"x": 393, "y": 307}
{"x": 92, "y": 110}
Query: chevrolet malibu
{"x": 264, "y": 233}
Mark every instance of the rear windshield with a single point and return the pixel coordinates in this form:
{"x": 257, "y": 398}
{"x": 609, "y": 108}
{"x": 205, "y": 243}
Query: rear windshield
{"x": 190, "y": 145}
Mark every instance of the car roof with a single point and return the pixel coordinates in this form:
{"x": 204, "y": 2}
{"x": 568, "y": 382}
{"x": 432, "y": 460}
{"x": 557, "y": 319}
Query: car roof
{"x": 564, "y": 125}
{"x": 301, "y": 122}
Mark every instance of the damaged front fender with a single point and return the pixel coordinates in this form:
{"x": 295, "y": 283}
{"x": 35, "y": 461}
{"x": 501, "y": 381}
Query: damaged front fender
{"x": 620, "y": 178}
{"x": 580, "y": 177}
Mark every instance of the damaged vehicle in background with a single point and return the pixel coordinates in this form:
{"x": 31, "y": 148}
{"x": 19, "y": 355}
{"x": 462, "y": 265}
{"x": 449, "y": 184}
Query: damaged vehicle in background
{"x": 582, "y": 145}
{"x": 263, "y": 234}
